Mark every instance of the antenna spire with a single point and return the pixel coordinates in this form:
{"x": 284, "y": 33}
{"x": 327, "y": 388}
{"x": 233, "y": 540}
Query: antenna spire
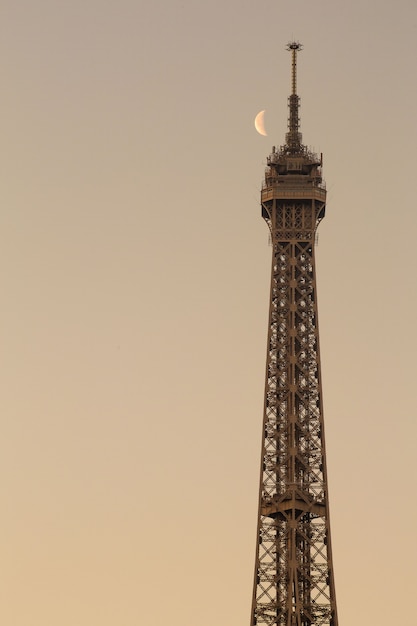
{"x": 293, "y": 137}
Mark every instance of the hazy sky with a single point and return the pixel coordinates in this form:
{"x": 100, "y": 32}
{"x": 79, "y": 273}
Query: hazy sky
{"x": 134, "y": 295}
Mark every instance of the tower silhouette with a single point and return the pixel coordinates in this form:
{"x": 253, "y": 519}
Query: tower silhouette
{"x": 294, "y": 582}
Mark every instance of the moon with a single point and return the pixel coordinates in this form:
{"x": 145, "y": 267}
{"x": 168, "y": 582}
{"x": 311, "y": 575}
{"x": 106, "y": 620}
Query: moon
{"x": 260, "y": 123}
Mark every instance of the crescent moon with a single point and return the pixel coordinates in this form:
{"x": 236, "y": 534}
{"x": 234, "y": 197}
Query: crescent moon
{"x": 260, "y": 123}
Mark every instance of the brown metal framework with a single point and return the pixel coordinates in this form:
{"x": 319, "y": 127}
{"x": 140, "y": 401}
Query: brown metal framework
{"x": 294, "y": 582}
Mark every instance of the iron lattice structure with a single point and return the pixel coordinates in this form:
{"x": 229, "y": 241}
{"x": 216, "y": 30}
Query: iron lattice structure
{"x": 294, "y": 582}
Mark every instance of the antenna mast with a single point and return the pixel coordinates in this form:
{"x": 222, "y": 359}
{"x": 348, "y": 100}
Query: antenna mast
{"x": 293, "y": 137}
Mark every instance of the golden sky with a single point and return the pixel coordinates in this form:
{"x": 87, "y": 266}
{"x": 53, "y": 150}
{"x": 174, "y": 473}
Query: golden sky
{"x": 134, "y": 289}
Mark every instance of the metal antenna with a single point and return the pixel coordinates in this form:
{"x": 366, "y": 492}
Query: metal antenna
{"x": 294, "y": 137}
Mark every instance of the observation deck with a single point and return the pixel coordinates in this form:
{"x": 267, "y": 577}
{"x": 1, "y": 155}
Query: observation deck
{"x": 293, "y": 177}
{"x": 281, "y": 190}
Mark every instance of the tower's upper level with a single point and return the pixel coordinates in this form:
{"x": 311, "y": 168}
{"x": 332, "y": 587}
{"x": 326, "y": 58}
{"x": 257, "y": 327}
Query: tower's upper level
{"x": 293, "y": 171}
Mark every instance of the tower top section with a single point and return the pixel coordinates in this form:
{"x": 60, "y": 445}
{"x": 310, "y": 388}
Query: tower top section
{"x": 293, "y": 151}
{"x": 293, "y": 171}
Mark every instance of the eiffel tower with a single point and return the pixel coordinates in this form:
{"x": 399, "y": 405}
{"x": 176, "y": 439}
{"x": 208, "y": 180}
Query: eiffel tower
{"x": 294, "y": 581}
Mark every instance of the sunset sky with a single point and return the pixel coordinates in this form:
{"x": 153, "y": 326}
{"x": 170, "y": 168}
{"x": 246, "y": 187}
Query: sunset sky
{"x": 134, "y": 297}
